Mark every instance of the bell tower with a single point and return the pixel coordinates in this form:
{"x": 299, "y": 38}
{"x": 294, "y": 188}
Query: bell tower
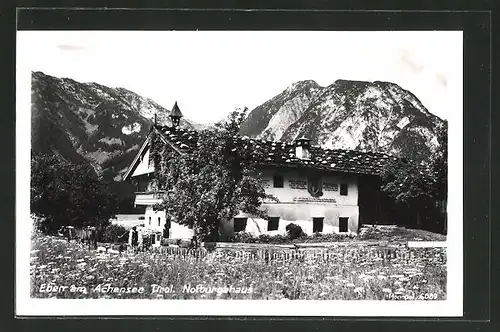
{"x": 175, "y": 115}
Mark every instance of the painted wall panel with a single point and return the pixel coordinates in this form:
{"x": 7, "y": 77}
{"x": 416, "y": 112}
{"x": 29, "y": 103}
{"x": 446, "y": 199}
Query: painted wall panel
{"x": 296, "y": 182}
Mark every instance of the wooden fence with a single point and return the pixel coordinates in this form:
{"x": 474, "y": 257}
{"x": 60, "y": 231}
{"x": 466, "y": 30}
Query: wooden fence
{"x": 270, "y": 254}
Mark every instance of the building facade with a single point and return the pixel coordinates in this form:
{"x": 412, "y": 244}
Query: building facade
{"x": 322, "y": 190}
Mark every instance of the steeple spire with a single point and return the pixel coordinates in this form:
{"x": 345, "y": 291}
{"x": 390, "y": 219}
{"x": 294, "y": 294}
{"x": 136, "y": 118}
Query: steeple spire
{"x": 175, "y": 115}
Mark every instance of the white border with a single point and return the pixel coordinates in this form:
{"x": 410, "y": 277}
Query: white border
{"x": 26, "y": 306}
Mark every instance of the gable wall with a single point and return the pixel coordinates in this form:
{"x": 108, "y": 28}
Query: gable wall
{"x": 144, "y": 166}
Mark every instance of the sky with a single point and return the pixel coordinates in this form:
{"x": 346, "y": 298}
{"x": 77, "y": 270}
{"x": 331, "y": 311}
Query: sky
{"x": 210, "y": 73}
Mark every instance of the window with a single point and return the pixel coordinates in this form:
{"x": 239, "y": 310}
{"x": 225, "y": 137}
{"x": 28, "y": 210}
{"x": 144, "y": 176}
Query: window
{"x": 159, "y": 221}
{"x": 150, "y": 220}
{"x": 240, "y": 224}
{"x": 343, "y": 189}
{"x": 278, "y": 181}
{"x": 272, "y": 223}
{"x": 343, "y": 221}
{"x": 318, "y": 225}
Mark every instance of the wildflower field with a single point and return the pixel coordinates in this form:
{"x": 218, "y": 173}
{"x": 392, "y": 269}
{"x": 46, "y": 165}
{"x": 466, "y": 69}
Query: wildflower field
{"x": 358, "y": 271}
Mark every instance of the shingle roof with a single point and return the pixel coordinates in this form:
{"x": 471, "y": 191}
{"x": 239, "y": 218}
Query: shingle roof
{"x": 183, "y": 139}
{"x": 276, "y": 153}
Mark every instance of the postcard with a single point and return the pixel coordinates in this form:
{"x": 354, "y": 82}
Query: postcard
{"x": 239, "y": 173}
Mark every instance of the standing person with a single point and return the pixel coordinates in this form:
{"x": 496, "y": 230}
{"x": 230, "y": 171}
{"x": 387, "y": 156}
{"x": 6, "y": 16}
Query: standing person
{"x": 131, "y": 237}
{"x": 67, "y": 232}
{"x": 135, "y": 238}
{"x": 71, "y": 233}
{"x": 93, "y": 237}
{"x": 140, "y": 239}
{"x": 194, "y": 242}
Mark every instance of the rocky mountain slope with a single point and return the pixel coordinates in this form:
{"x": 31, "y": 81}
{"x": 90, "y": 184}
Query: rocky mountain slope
{"x": 89, "y": 122}
{"x": 373, "y": 116}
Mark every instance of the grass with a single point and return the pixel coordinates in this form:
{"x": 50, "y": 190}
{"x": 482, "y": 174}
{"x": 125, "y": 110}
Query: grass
{"x": 361, "y": 272}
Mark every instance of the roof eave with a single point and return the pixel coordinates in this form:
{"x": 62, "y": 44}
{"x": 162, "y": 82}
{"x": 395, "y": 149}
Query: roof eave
{"x": 316, "y": 167}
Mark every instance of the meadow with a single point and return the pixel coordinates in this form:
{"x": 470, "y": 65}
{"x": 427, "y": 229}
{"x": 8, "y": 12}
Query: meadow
{"x": 357, "y": 271}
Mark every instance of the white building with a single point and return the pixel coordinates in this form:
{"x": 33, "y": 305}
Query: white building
{"x": 322, "y": 190}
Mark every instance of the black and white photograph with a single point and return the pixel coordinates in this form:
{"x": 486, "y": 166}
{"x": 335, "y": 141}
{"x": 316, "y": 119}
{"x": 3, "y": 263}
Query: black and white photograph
{"x": 177, "y": 170}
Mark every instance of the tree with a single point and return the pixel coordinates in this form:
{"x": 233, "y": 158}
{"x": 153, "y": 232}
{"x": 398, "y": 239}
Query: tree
{"x": 213, "y": 182}
{"x": 439, "y": 165}
{"x": 65, "y": 194}
{"x": 439, "y": 169}
{"x": 421, "y": 186}
{"x": 409, "y": 184}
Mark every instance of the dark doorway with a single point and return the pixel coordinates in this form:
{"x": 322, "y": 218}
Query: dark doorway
{"x": 240, "y": 224}
{"x": 343, "y": 221}
{"x": 318, "y": 224}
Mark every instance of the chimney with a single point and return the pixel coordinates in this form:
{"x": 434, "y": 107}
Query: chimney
{"x": 175, "y": 115}
{"x": 302, "y": 146}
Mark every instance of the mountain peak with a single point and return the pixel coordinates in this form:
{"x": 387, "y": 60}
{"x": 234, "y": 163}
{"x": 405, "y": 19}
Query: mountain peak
{"x": 343, "y": 81}
{"x": 303, "y": 84}
{"x": 90, "y": 122}
{"x": 358, "y": 115}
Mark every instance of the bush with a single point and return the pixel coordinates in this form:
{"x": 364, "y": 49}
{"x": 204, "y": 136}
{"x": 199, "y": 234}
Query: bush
{"x": 330, "y": 237}
{"x": 294, "y": 231}
{"x": 39, "y": 223}
{"x": 243, "y": 237}
{"x": 115, "y": 234}
{"x": 294, "y": 235}
{"x": 274, "y": 239}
